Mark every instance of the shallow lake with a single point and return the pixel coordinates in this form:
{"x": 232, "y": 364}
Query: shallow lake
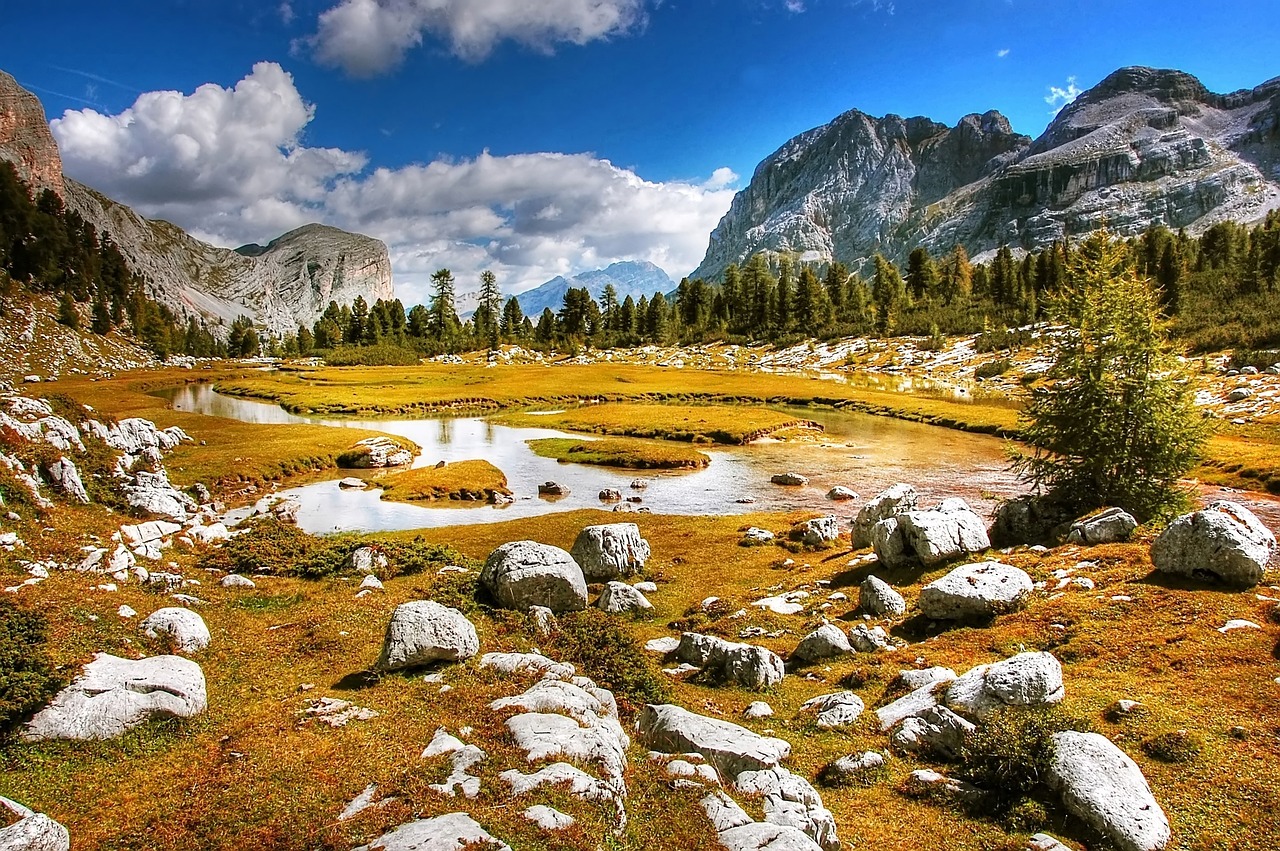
{"x": 860, "y": 451}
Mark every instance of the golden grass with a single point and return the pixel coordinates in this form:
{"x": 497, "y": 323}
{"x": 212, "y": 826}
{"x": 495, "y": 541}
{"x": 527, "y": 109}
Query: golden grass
{"x": 1244, "y": 456}
{"x": 623, "y": 452}
{"x": 227, "y": 454}
{"x": 430, "y": 388}
{"x": 463, "y": 482}
{"x": 729, "y": 424}
{"x": 249, "y": 775}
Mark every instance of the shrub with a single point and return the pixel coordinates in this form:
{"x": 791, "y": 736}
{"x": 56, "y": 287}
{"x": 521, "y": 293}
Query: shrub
{"x": 1174, "y": 746}
{"x": 608, "y": 652}
{"x": 992, "y": 368}
{"x": 27, "y": 681}
{"x": 1009, "y": 755}
{"x": 1000, "y": 339}
{"x": 1258, "y": 359}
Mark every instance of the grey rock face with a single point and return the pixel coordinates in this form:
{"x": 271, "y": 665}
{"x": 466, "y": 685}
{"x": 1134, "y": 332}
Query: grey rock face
{"x": 452, "y": 832}
{"x": 839, "y": 709}
{"x": 877, "y": 597}
{"x": 819, "y": 531}
{"x": 1142, "y": 147}
{"x": 1027, "y": 679}
{"x": 975, "y": 591}
{"x": 183, "y": 627}
{"x": 936, "y": 730}
{"x": 1224, "y": 541}
{"x": 33, "y": 831}
{"x": 949, "y": 531}
{"x": 423, "y": 632}
{"x": 66, "y": 478}
{"x": 610, "y": 550}
{"x": 1105, "y": 527}
{"x": 1100, "y": 784}
{"x": 525, "y": 573}
{"x": 618, "y": 597}
{"x": 900, "y": 497}
{"x": 746, "y": 664}
{"x": 825, "y": 642}
{"x": 114, "y": 695}
{"x": 729, "y": 748}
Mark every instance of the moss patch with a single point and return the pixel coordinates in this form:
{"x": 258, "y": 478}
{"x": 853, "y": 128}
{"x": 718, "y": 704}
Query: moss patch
{"x": 462, "y": 482}
{"x": 621, "y": 452}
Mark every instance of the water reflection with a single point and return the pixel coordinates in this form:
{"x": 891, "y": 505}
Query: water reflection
{"x": 860, "y": 451}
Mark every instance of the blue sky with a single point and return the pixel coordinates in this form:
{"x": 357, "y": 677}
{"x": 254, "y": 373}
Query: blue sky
{"x": 543, "y": 137}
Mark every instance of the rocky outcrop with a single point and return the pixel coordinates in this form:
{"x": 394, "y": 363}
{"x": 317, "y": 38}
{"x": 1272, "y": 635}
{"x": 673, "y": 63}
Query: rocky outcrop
{"x": 183, "y": 628}
{"x": 1142, "y": 147}
{"x": 114, "y": 695}
{"x": 748, "y": 665}
{"x": 1223, "y": 542}
{"x": 289, "y": 281}
{"x": 1101, "y": 785}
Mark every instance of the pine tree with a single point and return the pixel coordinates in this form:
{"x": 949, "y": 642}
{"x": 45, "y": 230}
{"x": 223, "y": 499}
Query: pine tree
{"x": 67, "y": 313}
{"x": 889, "y": 294}
{"x": 444, "y": 318}
{"x": 486, "y": 315}
{"x": 1114, "y": 424}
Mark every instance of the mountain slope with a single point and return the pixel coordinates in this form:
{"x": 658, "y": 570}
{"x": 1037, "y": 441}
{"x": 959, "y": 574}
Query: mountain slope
{"x": 630, "y": 278}
{"x": 286, "y": 283}
{"x": 1142, "y": 147}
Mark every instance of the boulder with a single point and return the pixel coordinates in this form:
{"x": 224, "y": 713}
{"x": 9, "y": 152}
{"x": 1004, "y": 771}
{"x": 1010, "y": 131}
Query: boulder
{"x": 1239, "y": 394}
{"x": 836, "y": 710}
{"x": 890, "y": 544}
{"x": 947, "y": 532}
{"x": 610, "y": 550}
{"x": 66, "y": 478}
{"x": 754, "y": 536}
{"x": 352, "y": 483}
{"x": 521, "y": 574}
{"x": 789, "y": 479}
{"x": 548, "y": 818}
{"x": 1224, "y": 541}
{"x": 423, "y": 632}
{"x": 153, "y": 493}
{"x": 619, "y": 597}
{"x": 819, "y": 531}
{"x": 114, "y": 695}
{"x": 789, "y": 800}
{"x": 1026, "y": 519}
{"x": 1104, "y": 527}
{"x": 851, "y": 768}
{"x": 926, "y": 782}
{"x": 748, "y": 665}
{"x": 32, "y": 832}
{"x": 366, "y": 560}
{"x": 185, "y": 629}
{"x": 756, "y": 710}
{"x": 979, "y": 590}
{"x": 235, "y": 580}
{"x": 877, "y": 597}
{"x": 1102, "y": 786}
{"x": 886, "y": 504}
{"x": 865, "y": 639}
{"x": 380, "y": 451}
{"x": 922, "y": 698}
{"x": 1027, "y": 679}
{"x": 729, "y": 748}
{"x": 825, "y": 642}
{"x": 611, "y": 495}
{"x": 840, "y": 493}
{"x": 937, "y": 731}
{"x": 552, "y": 489}
{"x": 452, "y": 832}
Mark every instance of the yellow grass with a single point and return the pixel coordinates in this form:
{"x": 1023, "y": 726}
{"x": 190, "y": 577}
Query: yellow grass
{"x": 462, "y": 482}
{"x": 689, "y": 423}
{"x": 250, "y": 775}
{"x": 623, "y": 452}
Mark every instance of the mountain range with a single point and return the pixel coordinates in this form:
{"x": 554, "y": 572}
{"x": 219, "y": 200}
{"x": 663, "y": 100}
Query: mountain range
{"x": 288, "y": 282}
{"x": 1143, "y": 147}
{"x": 633, "y": 278}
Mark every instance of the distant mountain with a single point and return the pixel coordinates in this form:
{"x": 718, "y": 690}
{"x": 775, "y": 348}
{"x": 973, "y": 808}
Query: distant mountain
{"x": 633, "y": 278}
{"x": 287, "y": 282}
{"x": 1143, "y": 147}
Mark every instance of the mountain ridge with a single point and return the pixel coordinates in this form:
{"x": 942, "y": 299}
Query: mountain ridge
{"x": 1144, "y": 146}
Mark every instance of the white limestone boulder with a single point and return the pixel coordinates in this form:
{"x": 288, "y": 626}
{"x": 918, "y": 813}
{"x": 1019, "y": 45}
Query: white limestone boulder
{"x": 451, "y": 832}
{"x": 1103, "y": 527}
{"x": 825, "y": 642}
{"x": 521, "y": 574}
{"x": 1027, "y": 679}
{"x": 424, "y": 631}
{"x": 1101, "y": 785}
{"x": 730, "y": 748}
{"x": 877, "y": 597}
{"x": 1224, "y": 541}
{"x": 185, "y": 629}
{"x": 749, "y": 665}
{"x": 886, "y": 504}
{"x": 980, "y": 590}
{"x": 619, "y": 597}
{"x": 114, "y": 695}
{"x": 951, "y": 530}
{"x": 819, "y": 531}
{"x": 610, "y": 550}
{"x": 32, "y": 832}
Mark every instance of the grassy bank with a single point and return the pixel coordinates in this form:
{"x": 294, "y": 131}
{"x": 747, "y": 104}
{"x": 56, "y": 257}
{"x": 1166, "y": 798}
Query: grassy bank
{"x": 620, "y": 452}
{"x": 459, "y": 483}
{"x": 254, "y": 771}
{"x": 726, "y": 424}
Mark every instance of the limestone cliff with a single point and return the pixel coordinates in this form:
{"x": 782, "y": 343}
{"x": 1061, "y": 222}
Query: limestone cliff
{"x": 1142, "y": 147}
{"x": 288, "y": 282}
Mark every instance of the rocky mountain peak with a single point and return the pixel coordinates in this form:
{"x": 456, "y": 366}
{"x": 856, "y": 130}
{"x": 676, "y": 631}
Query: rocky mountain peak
{"x": 25, "y": 139}
{"x": 1145, "y": 146}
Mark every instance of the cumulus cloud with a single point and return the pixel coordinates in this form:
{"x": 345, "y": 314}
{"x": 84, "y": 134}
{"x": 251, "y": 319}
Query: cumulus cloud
{"x": 1059, "y": 97}
{"x": 369, "y": 37}
{"x": 1002, "y": 53}
{"x": 228, "y": 165}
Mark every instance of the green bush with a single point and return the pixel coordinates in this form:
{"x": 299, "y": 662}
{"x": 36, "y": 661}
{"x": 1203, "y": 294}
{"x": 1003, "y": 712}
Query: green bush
{"x": 27, "y": 681}
{"x": 605, "y": 650}
{"x": 992, "y": 368}
{"x": 1009, "y": 755}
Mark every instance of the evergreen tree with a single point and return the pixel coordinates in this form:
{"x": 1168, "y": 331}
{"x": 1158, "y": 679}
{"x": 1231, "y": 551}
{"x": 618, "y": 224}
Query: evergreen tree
{"x": 443, "y": 324}
{"x": 1114, "y": 424}
{"x": 67, "y": 313}
{"x": 889, "y": 294}
{"x": 922, "y": 274}
{"x": 512, "y": 319}
{"x": 486, "y": 315}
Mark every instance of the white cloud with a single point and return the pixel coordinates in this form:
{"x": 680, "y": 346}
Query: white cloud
{"x": 1002, "y": 53}
{"x": 794, "y": 6}
{"x": 286, "y": 13}
{"x": 370, "y": 37}
{"x": 228, "y": 165}
{"x": 1060, "y": 97}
